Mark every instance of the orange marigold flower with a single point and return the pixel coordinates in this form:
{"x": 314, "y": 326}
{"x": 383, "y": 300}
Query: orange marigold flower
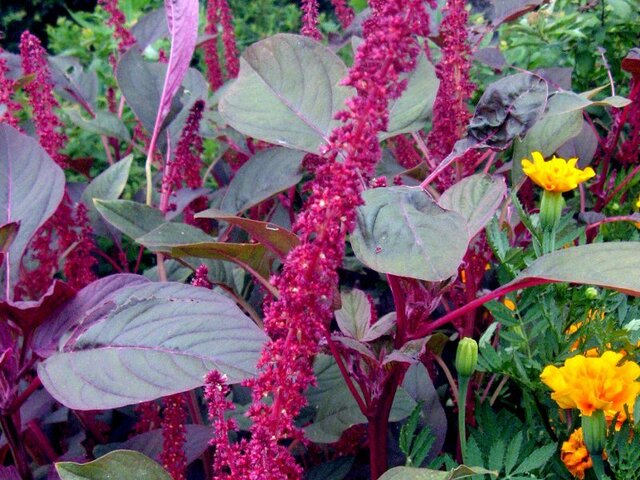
{"x": 509, "y": 304}
{"x": 556, "y": 175}
{"x": 594, "y": 383}
{"x": 575, "y": 456}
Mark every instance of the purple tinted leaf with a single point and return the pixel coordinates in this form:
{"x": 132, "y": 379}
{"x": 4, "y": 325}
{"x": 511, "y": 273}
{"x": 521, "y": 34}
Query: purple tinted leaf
{"x": 277, "y": 239}
{"x": 508, "y": 108}
{"x": 491, "y": 56}
{"x": 285, "y": 170}
{"x": 73, "y": 83}
{"x": 160, "y": 339}
{"x": 29, "y": 314}
{"x": 151, "y": 27}
{"x": 9, "y": 473}
{"x": 506, "y": 10}
{"x": 182, "y": 19}
{"x": 402, "y": 231}
{"x": 82, "y": 311}
{"x": 476, "y": 198}
{"x": 558, "y": 78}
{"x": 150, "y": 443}
{"x": 354, "y": 315}
{"x": 183, "y": 198}
{"x": 31, "y": 187}
{"x": 583, "y": 147}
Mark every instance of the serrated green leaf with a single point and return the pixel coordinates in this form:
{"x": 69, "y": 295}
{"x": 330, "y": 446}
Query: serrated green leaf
{"x": 513, "y": 452}
{"x": 537, "y": 459}
{"x": 496, "y": 456}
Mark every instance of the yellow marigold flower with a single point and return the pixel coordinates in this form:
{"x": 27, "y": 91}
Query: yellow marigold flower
{"x": 575, "y": 456}
{"x": 638, "y": 203}
{"x": 593, "y": 383}
{"x": 556, "y": 175}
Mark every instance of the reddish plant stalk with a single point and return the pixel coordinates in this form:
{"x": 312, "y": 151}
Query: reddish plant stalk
{"x": 297, "y": 320}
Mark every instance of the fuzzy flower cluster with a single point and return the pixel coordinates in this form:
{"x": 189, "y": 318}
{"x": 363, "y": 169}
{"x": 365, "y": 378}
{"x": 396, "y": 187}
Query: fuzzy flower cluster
{"x": 594, "y": 383}
{"x": 174, "y": 436}
{"x": 344, "y": 12}
{"x": 450, "y": 112}
{"x": 298, "y": 319}
{"x": 556, "y": 175}
{"x": 219, "y": 15}
{"x": 6, "y": 93}
{"x": 67, "y": 231}
{"x": 310, "y": 19}
{"x": 117, "y": 20}
{"x": 40, "y": 93}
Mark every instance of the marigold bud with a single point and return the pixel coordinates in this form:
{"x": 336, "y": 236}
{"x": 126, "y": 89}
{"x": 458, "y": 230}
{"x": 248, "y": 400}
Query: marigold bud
{"x": 594, "y": 429}
{"x": 591, "y": 293}
{"x": 467, "y": 357}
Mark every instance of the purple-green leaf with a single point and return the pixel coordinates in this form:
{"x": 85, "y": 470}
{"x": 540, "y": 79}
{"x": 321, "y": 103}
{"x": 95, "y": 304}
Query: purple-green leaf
{"x": 82, "y": 311}
{"x": 31, "y": 188}
{"x": 287, "y": 92}
{"x": 612, "y": 265}
{"x": 277, "y": 239}
{"x": 160, "y": 339}
{"x": 402, "y": 231}
{"x": 476, "y": 198}
{"x": 264, "y": 175}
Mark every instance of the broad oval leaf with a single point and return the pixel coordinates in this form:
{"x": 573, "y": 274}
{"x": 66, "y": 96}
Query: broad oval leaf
{"x": 134, "y": 219}
{"x": 160, "y": 339}
{"x": 265, "y": 174}
{"x": 181, "y": 240}
{"x": 409, "y": 112}
{"x": 31, "y": 188}
{"x": 117, "y": 464}
{"x": 81, "y": 311}
{"x": 104, "y": 123}
{"x": 476, "y": 198}
{"x": 109, "y": 185}
{"x": 287, "y": 92}
{"x": 410, "y": 473}
{"x": 508, "y": 108}
{"x": 402, "y": 231}
{"x": 612, "y": 265}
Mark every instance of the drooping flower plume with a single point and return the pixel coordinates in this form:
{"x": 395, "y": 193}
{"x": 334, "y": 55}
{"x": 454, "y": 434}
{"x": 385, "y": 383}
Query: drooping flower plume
{"x": 594, "y": 383}
{"x": 220, "y": 20}
{"x": 117, "y": 20}
{"x": 6, "y": 96}
{"x": 41, "y": 99}
{"x": 556, "y": 175}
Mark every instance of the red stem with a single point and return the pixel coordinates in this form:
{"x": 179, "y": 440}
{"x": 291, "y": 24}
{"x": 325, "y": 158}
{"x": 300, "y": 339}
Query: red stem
{"x": 26, "y": 393}
{"x": 364, "y": 408}
{"x": 426, "y": 329}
